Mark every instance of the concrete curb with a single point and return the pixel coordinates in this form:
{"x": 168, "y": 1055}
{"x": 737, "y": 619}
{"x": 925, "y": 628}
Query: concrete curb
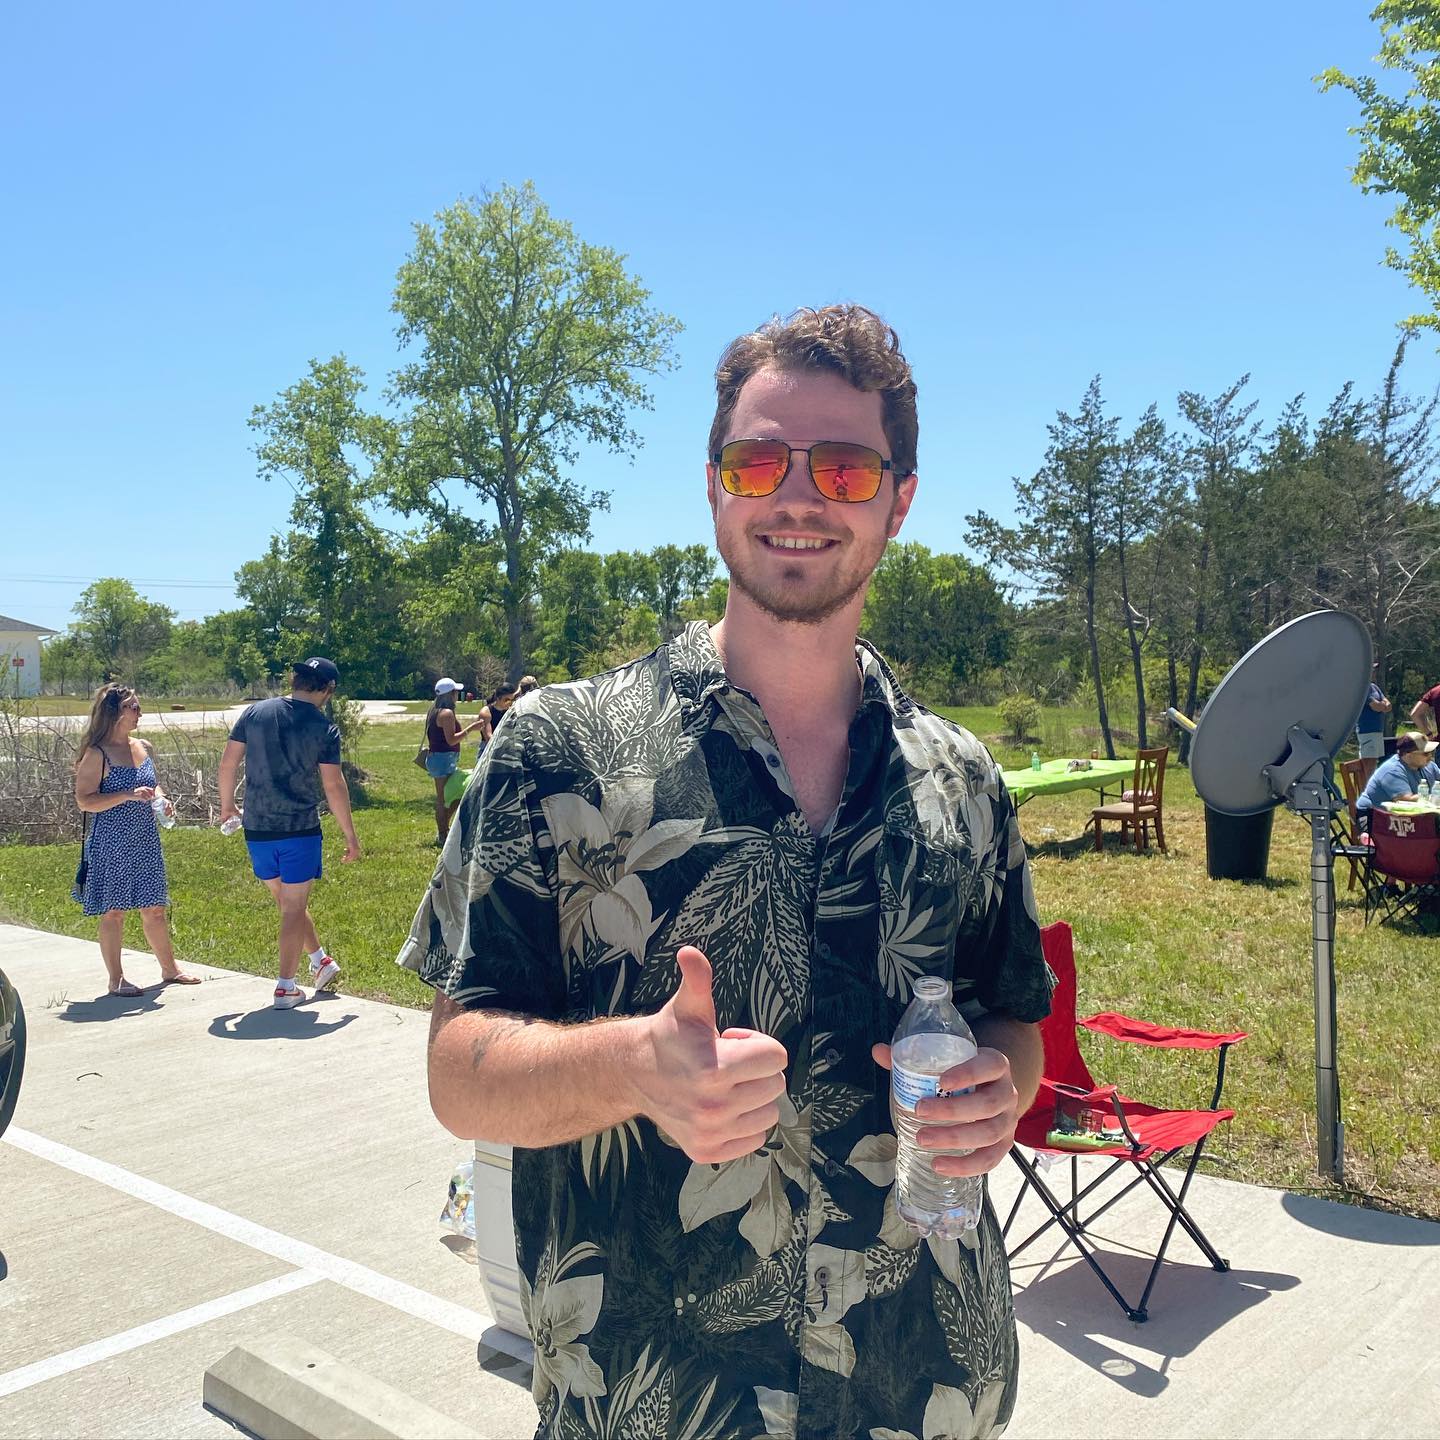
{"x": 281, "y": 1388}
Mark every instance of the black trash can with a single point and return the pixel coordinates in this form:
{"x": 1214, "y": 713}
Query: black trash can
{"x": 1237, "y": 847}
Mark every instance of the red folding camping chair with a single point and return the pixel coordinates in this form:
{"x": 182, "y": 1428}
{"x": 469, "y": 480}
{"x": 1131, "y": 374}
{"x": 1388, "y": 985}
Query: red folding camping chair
{"x": 1151, "y": 1136}
{"x": 1404, "y": 878}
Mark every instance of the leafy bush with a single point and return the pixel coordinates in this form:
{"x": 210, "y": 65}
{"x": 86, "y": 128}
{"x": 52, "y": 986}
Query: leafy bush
{"x": 349, "y": 719}
{"x": 1021, "y": 714}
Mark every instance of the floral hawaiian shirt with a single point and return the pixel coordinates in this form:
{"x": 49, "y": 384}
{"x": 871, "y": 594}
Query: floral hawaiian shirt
{"x": 614, "y": 820}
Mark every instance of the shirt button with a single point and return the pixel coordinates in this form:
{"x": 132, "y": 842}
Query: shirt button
{"x": 831, "y": 1168}
{"x": 691, "y": 1298}
{"x": 832, "y": 1056}
{"x": 773, "y": 761}
{"x": 822, "y": 1275}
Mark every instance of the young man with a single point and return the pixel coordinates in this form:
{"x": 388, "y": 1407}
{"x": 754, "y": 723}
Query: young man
{"x": 1370, "y": 724}
{"x": 291, "y": 754}
{"x": 1426, "y": 710}
{"x": 678, "y": 918}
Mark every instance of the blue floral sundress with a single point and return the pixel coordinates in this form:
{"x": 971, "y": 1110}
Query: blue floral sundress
{"x": 127, "y": 868}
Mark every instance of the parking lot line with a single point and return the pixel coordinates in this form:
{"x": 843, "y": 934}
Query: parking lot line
{"x": 161, "y": 1329}
{"x": 457, "y": 1319}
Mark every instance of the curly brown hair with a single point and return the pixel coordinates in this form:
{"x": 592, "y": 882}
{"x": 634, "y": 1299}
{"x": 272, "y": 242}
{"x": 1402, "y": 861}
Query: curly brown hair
{"x": 846, "y": 340}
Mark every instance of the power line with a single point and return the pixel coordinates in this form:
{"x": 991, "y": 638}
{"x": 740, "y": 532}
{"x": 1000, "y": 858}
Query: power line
{"x": 133, "y": 579}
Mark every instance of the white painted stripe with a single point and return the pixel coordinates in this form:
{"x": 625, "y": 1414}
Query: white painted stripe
{"x": 459, "y": 1320}
{"x": 98, "y": 1350}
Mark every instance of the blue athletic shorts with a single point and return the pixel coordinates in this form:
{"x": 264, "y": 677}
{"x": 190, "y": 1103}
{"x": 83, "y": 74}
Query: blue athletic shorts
{"x": 292, "y": 861}
{"x": 441, "y": 763}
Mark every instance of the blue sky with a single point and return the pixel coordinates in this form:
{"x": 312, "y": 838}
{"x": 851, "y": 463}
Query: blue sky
{"x": 199, "y": 199}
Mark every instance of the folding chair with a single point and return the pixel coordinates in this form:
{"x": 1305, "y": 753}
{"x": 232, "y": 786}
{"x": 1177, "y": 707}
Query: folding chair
{"x": 1404, "y": 866}
{"x": 1151, "y": 1136}
{"x": 1141, "y": 806}
{"x": 1349, "y": 844}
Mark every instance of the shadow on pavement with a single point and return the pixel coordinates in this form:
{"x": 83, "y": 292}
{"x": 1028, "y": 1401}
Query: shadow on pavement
{"x": 1069, "y": 1307}
{"x": 111, "y": 1007}
{"x": 1355, "y": 1222}
{"x": 301, "y": 1023}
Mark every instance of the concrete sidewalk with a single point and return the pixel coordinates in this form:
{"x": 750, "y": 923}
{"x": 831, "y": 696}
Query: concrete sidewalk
{"x": 192, "y": 1170}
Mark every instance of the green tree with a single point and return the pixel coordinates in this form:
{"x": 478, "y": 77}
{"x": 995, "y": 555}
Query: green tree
{"x": 1400, "y": 140}
{"x": 575, "y": 616}
{"x": 317, "y": 437}
{"x": 531, "y": 344}
{"x": 275, "y": 590}
{"x": 1218, "y": 453}
{"x": 1062, "y": 540}
{"x": 118, "y": 627}
{"x": 1142, "y": 489}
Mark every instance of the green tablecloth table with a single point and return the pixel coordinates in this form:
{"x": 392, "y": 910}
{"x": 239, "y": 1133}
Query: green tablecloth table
{"x": 1053, "y": 778}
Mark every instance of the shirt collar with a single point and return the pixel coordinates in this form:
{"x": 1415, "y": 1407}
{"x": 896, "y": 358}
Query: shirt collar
{"x": 697, "y": 673}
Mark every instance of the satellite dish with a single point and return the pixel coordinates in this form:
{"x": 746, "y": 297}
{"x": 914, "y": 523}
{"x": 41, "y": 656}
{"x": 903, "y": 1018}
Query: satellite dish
{"x": 1267, "y": 738}
{"x": 1313, "y": 672}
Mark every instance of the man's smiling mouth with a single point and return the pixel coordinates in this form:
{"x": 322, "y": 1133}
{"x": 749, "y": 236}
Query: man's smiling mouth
{"x": 796, "y": 542}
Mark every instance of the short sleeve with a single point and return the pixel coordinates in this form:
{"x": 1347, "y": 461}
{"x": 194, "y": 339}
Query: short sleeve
{"x": 487, "y": 932}
{"x": 237, "y": 730}
{"x": 330, "y": 751}
{"x": 1005, "y": 964}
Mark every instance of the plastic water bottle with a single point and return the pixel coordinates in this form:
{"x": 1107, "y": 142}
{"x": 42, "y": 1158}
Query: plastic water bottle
{"x": 1034, "y": 759}
{"x": 230, "y": 826}
{"x": 164, "y": 812}
{"x": 932, "y": 1038}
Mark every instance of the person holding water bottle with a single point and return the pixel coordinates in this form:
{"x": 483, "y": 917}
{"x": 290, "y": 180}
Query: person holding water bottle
{"x": 122, "y": 865}
{"x": 688, "y": 906}
{"x": 291, "y": 753}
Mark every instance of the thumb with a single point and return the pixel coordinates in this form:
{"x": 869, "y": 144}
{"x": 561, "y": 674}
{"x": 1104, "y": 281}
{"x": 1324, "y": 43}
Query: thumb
{"x": 881, "y": 1055}
{"x": 693, "y": 1000}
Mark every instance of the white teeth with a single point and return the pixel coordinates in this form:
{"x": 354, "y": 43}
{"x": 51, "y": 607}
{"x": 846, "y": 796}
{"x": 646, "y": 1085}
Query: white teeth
{"x": 792, "y": 542}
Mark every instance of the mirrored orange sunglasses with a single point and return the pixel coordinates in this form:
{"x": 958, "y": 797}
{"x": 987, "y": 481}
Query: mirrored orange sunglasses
{"x": 840, "y": 470}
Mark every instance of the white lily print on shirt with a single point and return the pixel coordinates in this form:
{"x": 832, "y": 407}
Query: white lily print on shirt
{"x": 559, "y": 1311}
{"x": 949, "y": 1416}
{"x": 600, "y": 859}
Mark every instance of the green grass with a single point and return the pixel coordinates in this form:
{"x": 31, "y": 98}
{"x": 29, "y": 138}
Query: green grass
{"x": 1154, "y": 938}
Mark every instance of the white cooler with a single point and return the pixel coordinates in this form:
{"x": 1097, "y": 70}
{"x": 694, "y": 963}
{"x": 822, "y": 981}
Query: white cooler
{"x": 495, "y": 1237}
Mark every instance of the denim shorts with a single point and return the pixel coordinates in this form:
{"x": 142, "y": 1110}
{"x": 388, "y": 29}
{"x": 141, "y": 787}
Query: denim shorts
{"x": 440, "y": 763}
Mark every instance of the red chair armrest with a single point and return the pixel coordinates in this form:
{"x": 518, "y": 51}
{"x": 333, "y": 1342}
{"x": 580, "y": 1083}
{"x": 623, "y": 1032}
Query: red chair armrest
{"x": 1166, "y": 1037}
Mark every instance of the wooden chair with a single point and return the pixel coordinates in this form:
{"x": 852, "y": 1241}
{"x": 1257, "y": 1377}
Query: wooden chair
{"x": 1141, "y": 805}
{"x": 1355, "y": 774}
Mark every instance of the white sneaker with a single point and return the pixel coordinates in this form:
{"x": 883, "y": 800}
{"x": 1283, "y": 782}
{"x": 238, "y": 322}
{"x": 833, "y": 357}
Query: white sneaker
{"x": 327, "y": 972}
{"x": 288, "y": 999}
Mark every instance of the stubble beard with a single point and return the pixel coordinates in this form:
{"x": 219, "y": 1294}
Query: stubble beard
{"x": 813, "y": 609}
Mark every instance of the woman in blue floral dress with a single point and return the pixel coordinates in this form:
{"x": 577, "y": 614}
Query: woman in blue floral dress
{"x": 124, "y": 868}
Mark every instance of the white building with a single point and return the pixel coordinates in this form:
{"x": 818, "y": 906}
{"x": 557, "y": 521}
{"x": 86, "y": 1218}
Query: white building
{"x": 20, "y": 656}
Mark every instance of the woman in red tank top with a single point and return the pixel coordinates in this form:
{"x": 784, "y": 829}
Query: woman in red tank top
{"x": 442, "y": 739}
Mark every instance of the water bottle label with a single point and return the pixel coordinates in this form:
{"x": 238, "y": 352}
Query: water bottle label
{"x": 910, "y": 1087}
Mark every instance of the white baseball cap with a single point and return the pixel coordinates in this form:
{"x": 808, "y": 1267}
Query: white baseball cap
{"x": 444, "y": 685}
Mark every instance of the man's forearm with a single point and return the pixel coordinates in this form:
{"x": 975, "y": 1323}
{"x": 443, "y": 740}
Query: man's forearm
{"x": 337, "y": 797}
{"x": 1021, "y": 1045}
{"x": 515, "y": 1080}
{"x": 227, "y": 785}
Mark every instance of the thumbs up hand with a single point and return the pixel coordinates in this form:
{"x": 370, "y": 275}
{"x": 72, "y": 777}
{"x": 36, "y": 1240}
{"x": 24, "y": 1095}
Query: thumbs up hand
{"x": 714, "y": 1094}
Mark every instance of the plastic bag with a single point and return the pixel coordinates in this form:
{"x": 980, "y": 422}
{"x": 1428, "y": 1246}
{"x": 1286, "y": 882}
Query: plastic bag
{"x": 458, "y": 1216}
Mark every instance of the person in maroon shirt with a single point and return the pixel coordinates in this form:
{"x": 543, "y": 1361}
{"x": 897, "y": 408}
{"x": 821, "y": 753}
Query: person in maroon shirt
{"x": 1426, "y": 710}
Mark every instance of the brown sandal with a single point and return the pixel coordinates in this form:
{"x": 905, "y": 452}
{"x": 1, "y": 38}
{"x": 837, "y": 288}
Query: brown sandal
{"x": 181, "y": 978}
{"x": 126, "y": 989}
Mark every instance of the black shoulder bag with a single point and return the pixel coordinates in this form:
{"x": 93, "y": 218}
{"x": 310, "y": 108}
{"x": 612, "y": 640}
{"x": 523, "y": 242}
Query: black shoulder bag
{"x": 84, "y": 866}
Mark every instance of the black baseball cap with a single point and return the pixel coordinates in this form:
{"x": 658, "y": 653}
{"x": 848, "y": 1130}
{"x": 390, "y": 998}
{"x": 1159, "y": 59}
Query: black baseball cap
{"x": 325, "y": 671}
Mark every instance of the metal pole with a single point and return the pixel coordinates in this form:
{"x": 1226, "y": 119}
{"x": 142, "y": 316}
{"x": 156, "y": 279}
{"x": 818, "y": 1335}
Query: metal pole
{"x": 1329, "y": 1132}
